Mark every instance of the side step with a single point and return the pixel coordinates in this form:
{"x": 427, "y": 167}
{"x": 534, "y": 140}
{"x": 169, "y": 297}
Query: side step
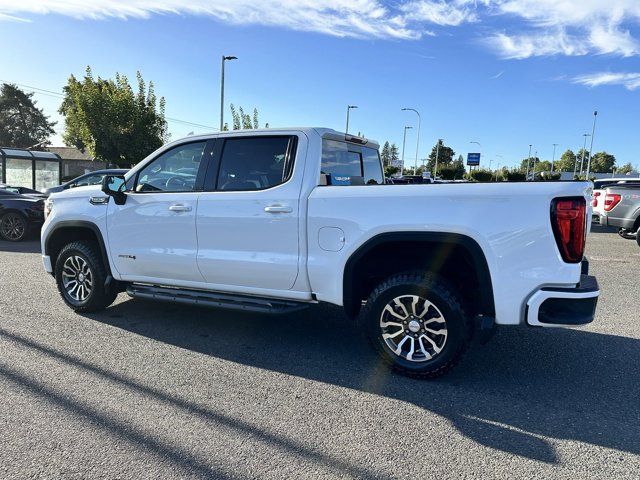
{"x": 217, "y": 300}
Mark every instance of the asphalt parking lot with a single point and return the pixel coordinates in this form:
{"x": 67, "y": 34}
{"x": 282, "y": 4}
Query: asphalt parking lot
{"x": 150, "y": 390}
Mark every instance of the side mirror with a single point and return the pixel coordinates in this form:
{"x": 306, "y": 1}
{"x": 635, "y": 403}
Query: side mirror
{"x": 115, "y": 186}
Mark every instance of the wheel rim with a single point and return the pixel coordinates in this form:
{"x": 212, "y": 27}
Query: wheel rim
{"x": 413, "y": 328}
{"x": 12, "y": 227}
{"x": 77, "y": 278}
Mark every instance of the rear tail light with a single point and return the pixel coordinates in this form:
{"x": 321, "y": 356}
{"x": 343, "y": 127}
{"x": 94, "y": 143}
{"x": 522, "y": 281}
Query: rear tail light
{"x": 611, "y": 200}
{"x": 594, "y": 202}
{"x": 569, "y": 223}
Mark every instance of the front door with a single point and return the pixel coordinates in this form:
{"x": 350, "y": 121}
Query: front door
{"x": 152, "y": 237}
{"x": 248, "y": 217}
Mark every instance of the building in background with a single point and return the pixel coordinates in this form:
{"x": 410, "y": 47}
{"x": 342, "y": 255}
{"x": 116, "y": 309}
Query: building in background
{"x": 76, "y": 162}
{"x": 31, "y": 169}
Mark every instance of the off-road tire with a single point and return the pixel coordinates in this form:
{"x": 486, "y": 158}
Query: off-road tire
{"x": 100, "y": 296}
{"x": 444, "y": 297}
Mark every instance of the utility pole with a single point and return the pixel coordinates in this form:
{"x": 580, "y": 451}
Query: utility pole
{"x": 224, "y": 59}
{"x": 404, "y": 141}
{"x": 528, "y": 162}
{"x": 593, "y": 132}
{"x": 554, "y": 156}
{"x": 435, "y": 170}
{"x": 415, "y": 166}
{"x": 349, "y": 107}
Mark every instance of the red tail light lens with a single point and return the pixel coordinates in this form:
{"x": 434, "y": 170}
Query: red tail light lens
{"x": 611, "y": 200}
{"x": 594, "y": 202}
{"x": 569, "y": 223}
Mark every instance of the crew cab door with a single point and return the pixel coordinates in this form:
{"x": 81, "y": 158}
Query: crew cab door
{"x": 152, "y": 237}
{"x": 248, "y": 215}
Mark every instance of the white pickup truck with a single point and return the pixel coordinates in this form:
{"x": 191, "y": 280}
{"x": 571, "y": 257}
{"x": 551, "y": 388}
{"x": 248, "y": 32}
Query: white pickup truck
{"x": 274, "y": 220}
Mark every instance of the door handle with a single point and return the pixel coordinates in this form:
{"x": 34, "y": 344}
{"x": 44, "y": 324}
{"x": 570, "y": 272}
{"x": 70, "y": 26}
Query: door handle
{"x": 278, "y": 209}
{"x": 180, "y": 208}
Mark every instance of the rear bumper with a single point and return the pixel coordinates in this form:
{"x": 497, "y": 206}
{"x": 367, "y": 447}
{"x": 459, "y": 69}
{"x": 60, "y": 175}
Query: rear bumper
{"x": 626, "y": 223}
{"x": 564, "y": 307}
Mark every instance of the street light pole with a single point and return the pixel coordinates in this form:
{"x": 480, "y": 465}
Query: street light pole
{"x": 497, "y": 170}
{"x": 554, "y": 156}
{"x": 584, "y": 149}
{"x": 404, "y": 141}
{"x": 415, "y": 167}
{"x": 349, "y": 107}
{"x": 528, "y": 162}
{"x": 224, "y": 59}
{"x": 593, "y": 132}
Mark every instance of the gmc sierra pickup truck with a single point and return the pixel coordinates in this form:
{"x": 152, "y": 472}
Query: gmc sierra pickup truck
{"x": 274, "y": 220}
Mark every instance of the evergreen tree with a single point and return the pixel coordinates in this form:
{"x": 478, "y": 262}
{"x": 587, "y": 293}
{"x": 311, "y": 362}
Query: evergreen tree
{"x": 22, "y": 124}
{"x": 385, "y": 155}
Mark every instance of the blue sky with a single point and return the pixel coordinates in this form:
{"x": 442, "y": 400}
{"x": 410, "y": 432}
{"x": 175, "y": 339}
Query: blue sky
{"x": 505, "y": 73}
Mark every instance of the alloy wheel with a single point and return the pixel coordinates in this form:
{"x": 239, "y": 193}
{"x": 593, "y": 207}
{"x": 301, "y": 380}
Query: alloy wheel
{"x": 12, "y": 227}
{"x": 77, "y": 278}
{"x": 413, "y": 328}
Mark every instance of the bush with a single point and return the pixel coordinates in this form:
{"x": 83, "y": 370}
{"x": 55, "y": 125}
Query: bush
{"x": 480, "y": 175}
{"x": 515, "y": 176}
{"x": 451, "y": 172}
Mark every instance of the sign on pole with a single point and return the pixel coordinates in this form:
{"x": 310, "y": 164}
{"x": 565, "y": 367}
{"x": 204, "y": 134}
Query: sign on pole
{"x": 473, "y": 159}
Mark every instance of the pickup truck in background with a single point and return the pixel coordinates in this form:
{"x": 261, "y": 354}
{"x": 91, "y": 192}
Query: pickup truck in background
{"x": 599, "y": 187}
{"x": 279, "y": 219}
{"x": 621, "y": 208}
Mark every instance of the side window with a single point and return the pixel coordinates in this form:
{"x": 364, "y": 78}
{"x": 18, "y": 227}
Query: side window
{"x": 90, "y": 180}
{"x": 372, "y": 167}
{"x": 173, "y": 171}
{"x": 254, "y": 163}
{"x": 349, "y": 164}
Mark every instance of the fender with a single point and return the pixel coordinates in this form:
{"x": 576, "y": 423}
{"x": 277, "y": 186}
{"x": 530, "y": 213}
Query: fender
{"x": 485, "y": 302}
{"x": 68, "y": 224}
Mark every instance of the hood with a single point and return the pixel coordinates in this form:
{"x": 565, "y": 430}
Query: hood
{"x": 78, "y": 192}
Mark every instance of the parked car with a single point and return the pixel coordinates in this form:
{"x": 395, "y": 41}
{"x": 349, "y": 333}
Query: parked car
{"x": 91, "y": 178}
{"x": 599, "y": 186}
{"x": 30, "y": 192}
{"x": 621, "y": 208}
{"x": 275, "y": 220}
{"x": 19, "y": 215}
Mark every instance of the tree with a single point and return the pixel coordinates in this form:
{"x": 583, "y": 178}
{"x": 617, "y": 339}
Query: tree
{"x": 241, "y": 120}
{"x": 445, "y": 156}
{"x": 529, "y": 161}
{"x": 626, "y": 168}
{"x": 454, "y": 171}
{"x": 390, "y": 170}
{"x": 394, "y": 155}
{"x": 566, "y": 163}
{"x": 22, "y": 124}
{"x": 385, "y": 155}
{"x": 602, "y": 162}
{"x": 480, "y": 175}
{"x": 582, "y": 163}
{"x": 115, "y": 124}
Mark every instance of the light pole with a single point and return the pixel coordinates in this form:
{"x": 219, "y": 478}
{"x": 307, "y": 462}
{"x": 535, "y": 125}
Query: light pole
{"x": 435, "y": 170}
{"x": 535, "y": 157}
{"x": 349, "y": 107}
{"x": 554, "y": 156}
{"x": 415, "y": 167}
{"x": 584, "y": 149}
{"x": 224, "y": 59}
{"x": 528, "y": 162}
{"x": 593, "y": 132}
{"x": 404, "y": 141}
{"x": 497, "y": 170}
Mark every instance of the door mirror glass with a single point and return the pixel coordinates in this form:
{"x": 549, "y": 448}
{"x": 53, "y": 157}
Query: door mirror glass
{"x": 115, "y": 186}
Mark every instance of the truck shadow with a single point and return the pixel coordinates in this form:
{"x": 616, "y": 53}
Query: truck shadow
{"x": 524, "y": 390}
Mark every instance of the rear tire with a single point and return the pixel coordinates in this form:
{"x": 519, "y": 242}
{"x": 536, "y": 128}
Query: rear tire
{"x": 81, "y": 275}
{"x": 13, "y": 227}
{"x": 417, "y": 324}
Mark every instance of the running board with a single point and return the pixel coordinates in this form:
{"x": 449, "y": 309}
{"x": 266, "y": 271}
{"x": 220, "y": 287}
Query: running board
{"x": 217, "y": 300}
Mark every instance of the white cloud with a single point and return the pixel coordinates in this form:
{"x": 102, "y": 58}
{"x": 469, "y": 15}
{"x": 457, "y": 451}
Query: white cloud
{"x": 525, "y": 46}
{"x": 440, "y": 12}
{"x": 629, "y": 80}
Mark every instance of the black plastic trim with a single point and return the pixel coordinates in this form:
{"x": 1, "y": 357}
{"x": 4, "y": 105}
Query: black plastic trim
{"x": 571, "y": 311}
{"x": 486, "y": 302}
{"x": 79, "y": 224}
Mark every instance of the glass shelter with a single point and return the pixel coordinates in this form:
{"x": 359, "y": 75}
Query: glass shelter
{"x": 31, "y": 169}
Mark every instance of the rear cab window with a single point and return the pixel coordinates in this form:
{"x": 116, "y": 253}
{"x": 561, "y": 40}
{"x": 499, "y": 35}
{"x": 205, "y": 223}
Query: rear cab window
{"x": 346, "y": 163}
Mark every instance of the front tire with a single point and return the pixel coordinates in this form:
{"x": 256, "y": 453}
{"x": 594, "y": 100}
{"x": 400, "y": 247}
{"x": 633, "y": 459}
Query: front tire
{"x": 417, "y": 324}
{"x": 81, "y": 275}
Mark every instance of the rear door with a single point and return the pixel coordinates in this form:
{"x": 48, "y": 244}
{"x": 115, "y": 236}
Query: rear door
{"x": 248, "y": 217}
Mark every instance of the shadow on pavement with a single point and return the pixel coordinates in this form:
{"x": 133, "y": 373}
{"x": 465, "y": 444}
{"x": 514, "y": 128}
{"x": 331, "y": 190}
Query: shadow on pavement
{"x": 30, "y": 245}
{"x": 525, "y": 385}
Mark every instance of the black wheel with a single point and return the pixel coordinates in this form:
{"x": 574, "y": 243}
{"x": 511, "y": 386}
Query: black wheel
{"x": 81, "y": 275}
{"x": 638, "y": 237}
{"x": 626, "y": 234}
{"x": 13, "y": 226}
{"x": 417, "y": 323}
